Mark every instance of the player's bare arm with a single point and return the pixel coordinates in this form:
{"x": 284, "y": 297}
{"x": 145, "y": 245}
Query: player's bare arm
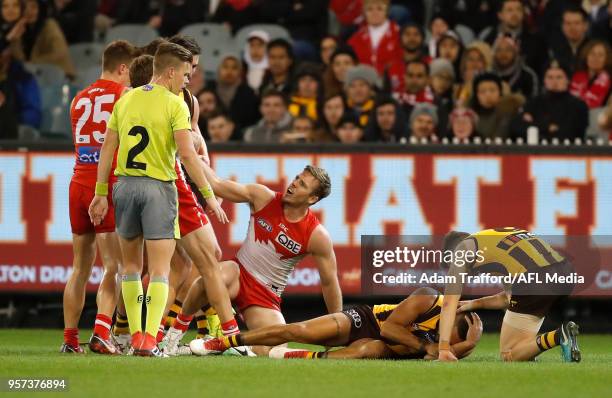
{"x": 321, "y": 248}
{"x": 402, "y": 317}
{"x": 499, "y": 301}
{"x": 190, "y": 160}
{"x": 452, "y": 294}
{"x": 465, "y": 347}
{"x": 99, "y": 204}
{"x": 201, "y": 147}
{"x": 256, "y": 195}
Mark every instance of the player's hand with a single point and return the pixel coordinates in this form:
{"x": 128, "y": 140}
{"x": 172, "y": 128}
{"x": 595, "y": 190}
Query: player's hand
{"x": 213, "y": 205}
{"x": 446, "y": 356}
{"x": 465, "y": 306}
{"x": 474, "y": 327}
{"x": 2, "y": 99}
{"x": 210, "y": 211}
{"x": 17, "y": 31}
{"x": 98, "y": 209}
{"x": 431, "y": 351}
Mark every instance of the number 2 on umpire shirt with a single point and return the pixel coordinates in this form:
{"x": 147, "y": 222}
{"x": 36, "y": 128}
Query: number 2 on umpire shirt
{"x": 146, "y": 119}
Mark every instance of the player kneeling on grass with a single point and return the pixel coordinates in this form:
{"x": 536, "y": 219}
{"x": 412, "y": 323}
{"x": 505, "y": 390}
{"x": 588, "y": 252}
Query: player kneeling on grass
{"x": 400, "y": 331}
{"x": 510, "y": 251}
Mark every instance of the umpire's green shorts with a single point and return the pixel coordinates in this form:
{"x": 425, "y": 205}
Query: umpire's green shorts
{"x": 145, "y": 206}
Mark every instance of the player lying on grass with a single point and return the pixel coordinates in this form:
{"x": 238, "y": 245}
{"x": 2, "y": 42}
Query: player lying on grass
{"x": 282, "y": 231}
{"x": 401, "y": 331}
{"x": 511, "y": 251}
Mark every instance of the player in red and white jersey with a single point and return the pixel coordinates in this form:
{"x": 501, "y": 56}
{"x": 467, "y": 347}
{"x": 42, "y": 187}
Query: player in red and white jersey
{"x": 282, "y": 231}
{"x": 89, "y": 112}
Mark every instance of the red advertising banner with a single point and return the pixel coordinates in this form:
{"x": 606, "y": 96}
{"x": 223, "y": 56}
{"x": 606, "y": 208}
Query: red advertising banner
{"x": 372, "y": 194}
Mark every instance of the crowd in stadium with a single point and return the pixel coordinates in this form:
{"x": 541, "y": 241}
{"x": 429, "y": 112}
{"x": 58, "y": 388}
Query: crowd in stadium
{"x": 348, "y": 71}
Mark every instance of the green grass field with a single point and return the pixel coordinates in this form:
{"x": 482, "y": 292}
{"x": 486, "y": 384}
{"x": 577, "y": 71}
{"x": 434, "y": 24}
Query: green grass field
{"x": 34, "y": 353}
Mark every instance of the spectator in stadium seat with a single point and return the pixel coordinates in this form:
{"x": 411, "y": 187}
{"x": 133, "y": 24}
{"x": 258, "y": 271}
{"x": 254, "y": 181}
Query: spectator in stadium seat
{"x": 331, "y": 112}
{"x": 114, "y": 12}
{"x": 424, "y": 122}
{"x": 255, "y": 57}
{"x": 477, "y": 58}
{"x": 601, "y": 28}
{"x": 42, "y": 41}
{"x": 75, "y": 17}
{"x": 307, "y": 84}
{"x": 556, "y": 113}
{"x": 510, "y": 66}
{"x": 475, "y": 14}
{"x": 209, "y": 104}
{"x": 566, "y": 47}
{"x": 416, "y": 86}
{"x": 275, "y": 119}
{"x": 442, "y": 81}
{"x": 236, "y": 96}
{"x": 19, "y": 97}
{"x": 302, "y": 130}
{"x": 413, "y": 43}
{"x": 335, "y": 74}
{"x": 377, "y": 43}
{"x": 438, "y": 26}
{"x": 175, "y": 14}
{"x": 591, "y": 82}
{"x": 597, "y": 10}
{"x": 360, "y": 85}
{"x": 511, "y": 17}
{"x": 280, "y": 67}
{"x": 450, "y": 47}
{"x": 494, "y": 109}
{"x": 463, "y": 122}
{"x": 221, "y": 128}
{"x": 350, "y": 130}
{"x": 327, "y": 47}
{"x": 388, "y": 122}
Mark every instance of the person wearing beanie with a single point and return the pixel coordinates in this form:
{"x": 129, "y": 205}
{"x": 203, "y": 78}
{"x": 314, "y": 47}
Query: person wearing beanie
{"x": 556, "y": 112}
{"x": 360, "y": 85}
{"x": 463, "y": 122}
{"x": 413, "y": 43}
{"x": 234, "y": 93}
{"x": 377, "y": 42}
{"x": 388, "y": 122}
{"x": 494, "y": 109}
{"x": 307, "y": 83}
{"x": 510, "y": 66}
{"x": 424, "y": 121}
{"x": 442, "y": 81}
{"x": 350, "y": 130}
{"x": 341, "y": 60}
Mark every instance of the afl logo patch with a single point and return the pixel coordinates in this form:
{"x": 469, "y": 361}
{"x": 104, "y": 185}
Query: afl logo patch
{"x": 147, "y": 87}
{"x": 264, "y": 224}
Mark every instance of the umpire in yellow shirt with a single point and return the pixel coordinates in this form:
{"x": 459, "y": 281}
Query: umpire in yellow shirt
{"x": 146, "y": 128}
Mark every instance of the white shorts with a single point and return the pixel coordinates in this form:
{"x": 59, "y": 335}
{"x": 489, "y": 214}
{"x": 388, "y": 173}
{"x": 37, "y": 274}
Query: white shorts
{"x": 526, "y": 322}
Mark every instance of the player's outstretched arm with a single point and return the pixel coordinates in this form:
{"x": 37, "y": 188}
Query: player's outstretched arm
{"x": 322, "y": 250}
{"x": 452, "y": 294}
{"x": 499, "y": 301}
{"x": 256, "y": 195}
{"x": 191, "y": 161}
{"x": 401, "y": 319}
{"x": 465, "y": 348}
{"x": 99, "y": 205}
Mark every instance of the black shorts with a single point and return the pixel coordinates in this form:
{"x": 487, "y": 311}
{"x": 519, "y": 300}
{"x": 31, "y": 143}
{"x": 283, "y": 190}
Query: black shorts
{"x": 363, "y": 323}
{"x": 540, "y": 304}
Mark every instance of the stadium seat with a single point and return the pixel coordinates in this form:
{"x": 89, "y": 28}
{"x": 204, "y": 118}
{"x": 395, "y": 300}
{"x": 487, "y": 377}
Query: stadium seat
{"x": 210, "y": 31}
{"x": 593, "y": 131}
{"x": 28, "y": 133}
{"x": 275, "y": 32}
{"x": 46, "y": 74}
{"x": 85, "y": 55}
{"x": 465, "y": 33}
{"x": 55, "y": 99}
{"x": 87, "y": 76}
{"x": 212, "y": 52}
{"x": 138, "y": 35}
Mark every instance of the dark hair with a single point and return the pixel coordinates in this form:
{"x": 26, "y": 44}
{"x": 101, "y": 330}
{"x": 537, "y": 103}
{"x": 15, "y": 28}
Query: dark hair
{"x": 324, "y": 188}
{"x": 303, "y": 117}
{"x": 575, "y": 10}
{"x": 344, "y": 50}
{"x": 419, "y": 62}
{"x": 501, "y": 4}
{"x": 141, "y": 70}
{"x": 274, "y": 93}
{"x": 188, "y": 42}
{"x": 117, "y": 53}
{"x": 219, "y": 113}
{"x": 462, "y": 324}
{"x": 584, "y": 53}
{"x": 413, "y": 25}
{"x": 152, "y": 47}
{"x": 450, "y": 242}
{"x": 480, "y": 78}
{"x": 283, "y": 44}
{"x": 170, "y": 54}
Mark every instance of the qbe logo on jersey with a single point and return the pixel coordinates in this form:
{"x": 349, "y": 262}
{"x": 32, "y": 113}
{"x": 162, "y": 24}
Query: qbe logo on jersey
{"x": 288, "y": 243}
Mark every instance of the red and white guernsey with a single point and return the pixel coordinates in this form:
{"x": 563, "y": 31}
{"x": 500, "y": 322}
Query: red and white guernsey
{"x": 274, "y": 245}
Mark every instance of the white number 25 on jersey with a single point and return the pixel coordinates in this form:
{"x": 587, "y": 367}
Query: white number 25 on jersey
{"x": 98, "y": 116}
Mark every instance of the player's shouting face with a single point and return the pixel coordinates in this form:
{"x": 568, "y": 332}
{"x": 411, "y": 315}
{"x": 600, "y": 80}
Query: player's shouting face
{"x": 301, "y": 190}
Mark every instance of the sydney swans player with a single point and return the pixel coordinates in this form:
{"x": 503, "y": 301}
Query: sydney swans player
{"x": 512, "y": 251}
{"x": 282, "y": 230}
{"x": 90, "y": 111}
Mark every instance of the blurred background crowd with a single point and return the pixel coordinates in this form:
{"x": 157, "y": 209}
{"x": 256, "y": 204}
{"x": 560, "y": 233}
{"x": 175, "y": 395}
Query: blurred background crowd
{"x": 331, "y": 70}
